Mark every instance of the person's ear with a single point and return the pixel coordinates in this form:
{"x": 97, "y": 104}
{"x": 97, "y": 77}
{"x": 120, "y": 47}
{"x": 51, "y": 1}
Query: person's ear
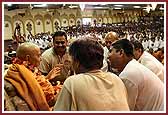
{"x": 121, "y": 52}
{"x": 66, "y": 42}
{"x": 27, "y": 58}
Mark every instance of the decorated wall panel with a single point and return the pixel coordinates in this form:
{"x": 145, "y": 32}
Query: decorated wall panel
{"x": 29, "y": 27}
{"x": 56, "y": 24}
{"x": 50, "y": 21}
{"x": 7, "y": 30}
{"x": 48, "y": 25}
{"x": 72, "y": 22}
{"x": 39, "y": 26}
{"x": 20, "y": 23}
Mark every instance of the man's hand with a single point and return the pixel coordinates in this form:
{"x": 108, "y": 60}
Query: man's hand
{"x": 56, "y": 71}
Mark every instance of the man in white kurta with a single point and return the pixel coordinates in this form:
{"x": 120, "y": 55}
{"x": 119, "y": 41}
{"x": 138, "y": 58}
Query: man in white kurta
{"x": 148, "y": 60}
{"x": 153, "y": 64}
{"x": 145, "y": 90}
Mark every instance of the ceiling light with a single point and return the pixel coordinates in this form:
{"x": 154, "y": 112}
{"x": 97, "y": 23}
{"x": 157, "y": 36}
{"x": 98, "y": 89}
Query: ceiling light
{"x": 118, "y": 5}
{"x": 9, "y": 4}
{"x": 136, "y": 6}
{"x": 117, "y": 8}
{"x": 40, "y": 5}
{"x": 98, "y": 7}
{"x": 72, "y": 6}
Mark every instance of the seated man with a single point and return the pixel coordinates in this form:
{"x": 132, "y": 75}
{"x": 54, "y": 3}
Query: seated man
{"x": 25, "y": 86}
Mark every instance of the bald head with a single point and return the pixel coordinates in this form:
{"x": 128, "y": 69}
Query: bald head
{"x": 26, "y": 49}
{"x": 110, "y": 38}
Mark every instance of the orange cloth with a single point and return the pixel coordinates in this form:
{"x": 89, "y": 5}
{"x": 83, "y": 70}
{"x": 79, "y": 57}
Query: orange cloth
{"x": 47, "y": 88}
{"x": 27, "y": 86}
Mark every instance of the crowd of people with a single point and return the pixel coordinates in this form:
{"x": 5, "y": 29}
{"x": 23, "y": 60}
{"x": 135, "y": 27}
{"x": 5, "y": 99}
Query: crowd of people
{"x": 108, "y": 68}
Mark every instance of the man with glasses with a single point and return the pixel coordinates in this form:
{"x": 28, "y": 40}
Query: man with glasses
{"x": 57, "y": 56}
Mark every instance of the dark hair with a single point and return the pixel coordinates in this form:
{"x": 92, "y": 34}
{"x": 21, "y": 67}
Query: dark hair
{"x": 125, "y": 45}
{"x": 59, "y": 33}
{"x": 137, "y": 45}
{"x": 161, "y": 49}
{"x": 88, "y": 52}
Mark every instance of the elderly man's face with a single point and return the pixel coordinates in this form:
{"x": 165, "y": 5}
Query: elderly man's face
{"x": 110, "y": 38}
{"x": 35, "y": 57}
{"x": 109, "y": 41}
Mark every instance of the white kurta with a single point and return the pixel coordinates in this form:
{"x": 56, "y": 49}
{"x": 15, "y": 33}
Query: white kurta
{"x": 145, "y": 89}
{"x": 153, "y": 64}
{"x": 105, "y": 64}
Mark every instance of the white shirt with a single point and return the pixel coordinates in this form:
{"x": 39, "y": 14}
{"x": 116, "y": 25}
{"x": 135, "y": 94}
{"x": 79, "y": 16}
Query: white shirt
{"x": 156, "y": 45}
{"x": 145, "y": 89}
{"x": 161, "y": 44}
{"x": 145, "y": 44}
{"x": 153, "y": 64}
{"x": 105, "y": 64}
{"x": 151, "y": 44}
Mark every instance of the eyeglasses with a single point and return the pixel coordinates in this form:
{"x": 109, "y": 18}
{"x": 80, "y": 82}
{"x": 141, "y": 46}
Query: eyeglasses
{"x": 58, "y": 42}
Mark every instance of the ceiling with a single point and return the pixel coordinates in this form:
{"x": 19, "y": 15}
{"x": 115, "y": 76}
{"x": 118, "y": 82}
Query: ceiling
{"x": 76, "y": 6}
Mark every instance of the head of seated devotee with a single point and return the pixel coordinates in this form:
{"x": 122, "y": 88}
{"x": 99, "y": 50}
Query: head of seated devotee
{"x": 86, "y": 54}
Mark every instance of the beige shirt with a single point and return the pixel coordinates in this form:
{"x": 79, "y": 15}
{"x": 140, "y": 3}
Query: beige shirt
{"x": 145, "y": 89}
{"x": 50, "y": 59}
{"x": 153, "y": 64}
{"x": 98, "y": 91}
